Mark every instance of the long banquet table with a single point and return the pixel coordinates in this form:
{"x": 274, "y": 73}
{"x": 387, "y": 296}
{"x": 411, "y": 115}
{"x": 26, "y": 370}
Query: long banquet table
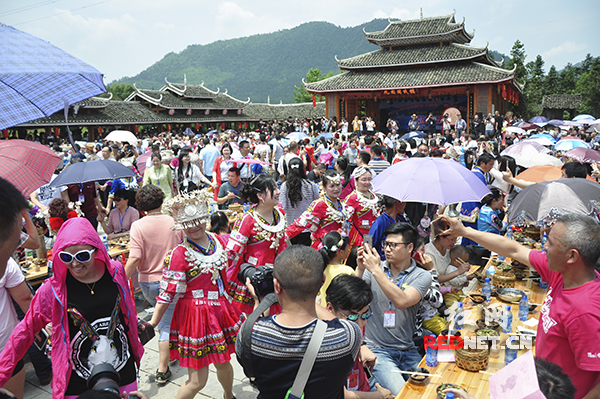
{"x": 476, "y": 383}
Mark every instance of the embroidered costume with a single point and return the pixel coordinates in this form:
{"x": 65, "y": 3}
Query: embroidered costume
{"x": 205, "y": 322}
{"x": 364, "y": 214}
{"x": 253, "y": 240}
{"x": 321, "y": 217}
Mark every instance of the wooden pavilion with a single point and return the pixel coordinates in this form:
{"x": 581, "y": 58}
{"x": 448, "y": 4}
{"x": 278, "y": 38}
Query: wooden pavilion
{"x": 424, "y": 65}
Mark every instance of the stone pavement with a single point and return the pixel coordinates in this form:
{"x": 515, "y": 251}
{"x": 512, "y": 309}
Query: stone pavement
{"x": 213, "y": 390}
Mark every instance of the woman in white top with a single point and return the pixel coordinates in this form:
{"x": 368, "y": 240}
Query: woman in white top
{"x": 188, "y": 176}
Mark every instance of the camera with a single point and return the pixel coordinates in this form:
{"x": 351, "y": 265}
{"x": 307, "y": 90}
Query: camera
{"x": 261, "y": 278}
{"x": 104, "y": 377}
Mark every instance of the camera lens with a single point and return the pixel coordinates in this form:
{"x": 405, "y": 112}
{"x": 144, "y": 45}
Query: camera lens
{"x": 104, "y": 377}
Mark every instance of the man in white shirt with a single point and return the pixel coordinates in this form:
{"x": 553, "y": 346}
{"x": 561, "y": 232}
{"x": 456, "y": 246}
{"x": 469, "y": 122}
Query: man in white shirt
{"x": 207, "y": 156}
{"x": 245, "y": 170}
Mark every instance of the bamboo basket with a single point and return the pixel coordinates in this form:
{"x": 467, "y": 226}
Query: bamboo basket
{"x": 504, "y": 280}
{"x": 472, "y": 359}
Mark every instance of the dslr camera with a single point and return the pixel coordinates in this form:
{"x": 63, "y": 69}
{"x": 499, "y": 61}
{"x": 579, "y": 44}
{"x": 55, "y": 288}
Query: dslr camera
{"x": 261, "y": 278}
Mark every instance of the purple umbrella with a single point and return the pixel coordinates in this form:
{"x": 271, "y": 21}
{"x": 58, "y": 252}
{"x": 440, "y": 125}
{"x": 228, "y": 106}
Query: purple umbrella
{"x": 556, "y": 122}
{"x": 431, "y": 180}
{"x": 538, "y": 119}
{"x": 524, "y": 148}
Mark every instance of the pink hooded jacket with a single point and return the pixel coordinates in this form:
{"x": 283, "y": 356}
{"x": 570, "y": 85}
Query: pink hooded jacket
{"x": 48, "y": 305}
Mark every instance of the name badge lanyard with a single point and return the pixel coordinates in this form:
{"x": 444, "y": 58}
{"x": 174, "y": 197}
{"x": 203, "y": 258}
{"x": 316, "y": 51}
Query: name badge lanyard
{"x": 81, "y": 197}
{"x": 121, "y": 217}
{"x": 389, "y": 316}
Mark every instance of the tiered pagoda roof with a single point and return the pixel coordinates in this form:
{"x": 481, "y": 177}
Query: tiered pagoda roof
{"x": 422, "y": 53}
{"x": 421, "y": 31}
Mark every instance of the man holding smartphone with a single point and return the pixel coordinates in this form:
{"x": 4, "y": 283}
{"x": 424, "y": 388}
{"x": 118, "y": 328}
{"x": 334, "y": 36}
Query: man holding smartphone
{"x": 398, "y": 286}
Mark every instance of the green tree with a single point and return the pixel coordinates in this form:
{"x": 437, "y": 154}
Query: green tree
{"x": 120, "y": 91}
{"x": 589, "y": 86}
{"x": 568, "y": 79}
{"x": 517, "y": 58}
{"x": 314, "y": 75}
{"x": 517, "y": 61}
{"x": 534, "y": 85}
{"x": 552, "y": 82}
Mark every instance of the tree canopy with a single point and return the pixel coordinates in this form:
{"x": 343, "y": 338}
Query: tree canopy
{"x": 313, "y": 75}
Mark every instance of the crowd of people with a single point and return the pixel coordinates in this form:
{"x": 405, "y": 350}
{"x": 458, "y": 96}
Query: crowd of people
{"x": 371, "y": 266}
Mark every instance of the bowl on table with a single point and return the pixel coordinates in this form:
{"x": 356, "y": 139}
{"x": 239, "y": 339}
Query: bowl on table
{"x": 493, "y": 325}
{"x": 454, "y": 333}
{"x": 511, "y": 295}
{"x": 477, "y": 298}
{"x": 417, "y": 379}
{"x": 487, "y": 332}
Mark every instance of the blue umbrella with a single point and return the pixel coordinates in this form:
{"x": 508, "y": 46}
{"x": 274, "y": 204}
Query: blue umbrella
{"x": 545, "y": 135}
{"x": 296, "y": 136}
{"x": 566, "y": 145}
{"x": 37, "y": 79}
{"x": 282, "y": 141}
{"x": 584, "y": 118}
{"x": 327, "y": 136}
{"x": 84, "y": 172}
{"x": 413, "y": 134}
{"x": 538, "y": 119}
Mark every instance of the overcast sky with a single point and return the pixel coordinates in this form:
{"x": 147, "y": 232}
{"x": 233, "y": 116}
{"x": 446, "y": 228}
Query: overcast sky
{"x": 124, "y": 37}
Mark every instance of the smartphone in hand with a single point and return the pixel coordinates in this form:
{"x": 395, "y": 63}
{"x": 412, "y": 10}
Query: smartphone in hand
{"x": 368, "y": 239}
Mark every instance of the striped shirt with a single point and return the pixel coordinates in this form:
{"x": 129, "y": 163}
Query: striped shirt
{"x": 277, "y": 352}
{"x": 378, "y": 165}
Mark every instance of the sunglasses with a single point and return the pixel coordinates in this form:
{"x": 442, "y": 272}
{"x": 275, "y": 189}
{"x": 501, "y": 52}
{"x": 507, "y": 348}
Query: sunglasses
{"x": 82, "y": 256}
{"x": 355, "y": 316}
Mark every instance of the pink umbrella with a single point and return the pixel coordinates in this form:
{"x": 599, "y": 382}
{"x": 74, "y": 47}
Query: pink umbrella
{"x": 141, "y": 161}
{"x": 582, "y": 154}
{"x": 251, "y": 161}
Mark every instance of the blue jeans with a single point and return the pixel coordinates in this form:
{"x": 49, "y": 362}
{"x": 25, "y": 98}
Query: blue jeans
{"x": 150, "y": 291}
{"x": 389, "y": 360}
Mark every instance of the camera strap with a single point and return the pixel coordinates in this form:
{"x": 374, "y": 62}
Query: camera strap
{"x": 245, "y": 357}
{"x": 296, "y": 392}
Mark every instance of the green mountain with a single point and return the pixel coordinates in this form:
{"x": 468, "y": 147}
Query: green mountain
{"x": 261, "y": 66}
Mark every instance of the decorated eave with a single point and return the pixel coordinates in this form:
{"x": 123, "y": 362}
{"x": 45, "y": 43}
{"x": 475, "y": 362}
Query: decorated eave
{"x": 421, "y": 55}
{"x": 166, "y": 99}
{"x": 123, "y": 113}
{"x": 190, "y": 91}
{"x": 420, "y": 31}
{"x": 414, "y": 78}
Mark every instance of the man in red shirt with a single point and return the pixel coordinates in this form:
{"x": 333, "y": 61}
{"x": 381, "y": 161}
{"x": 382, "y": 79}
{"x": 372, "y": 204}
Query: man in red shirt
{"x": 569, "y": 329}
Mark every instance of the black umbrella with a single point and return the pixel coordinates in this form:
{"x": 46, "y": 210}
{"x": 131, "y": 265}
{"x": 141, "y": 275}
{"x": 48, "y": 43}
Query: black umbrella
{"x": 549, "y": 199}
{"x": 83, "y": 172}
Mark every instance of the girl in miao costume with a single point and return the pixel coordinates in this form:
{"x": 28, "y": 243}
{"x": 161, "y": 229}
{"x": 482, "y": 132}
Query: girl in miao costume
{"x": 205, "y": 322}
{"x": 257, "y": 237}
{"x": 326, "y": 214}
{"x": 365, "y": 205}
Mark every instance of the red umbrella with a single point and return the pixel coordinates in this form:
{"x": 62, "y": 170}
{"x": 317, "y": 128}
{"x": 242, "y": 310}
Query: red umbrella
{"x": 529, "y": 126}
{"x": 26, "y": 164}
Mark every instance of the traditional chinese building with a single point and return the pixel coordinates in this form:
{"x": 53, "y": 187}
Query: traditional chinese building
{"x": 424, "y": 65}
{"x": 174, "y": 106}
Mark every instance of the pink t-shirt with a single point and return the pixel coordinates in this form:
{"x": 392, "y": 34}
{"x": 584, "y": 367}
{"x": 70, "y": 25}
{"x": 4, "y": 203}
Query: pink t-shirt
{"x": 118, "y": 222}
{"x": 151, "y": 239}
{"x": 569, "y": 330}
